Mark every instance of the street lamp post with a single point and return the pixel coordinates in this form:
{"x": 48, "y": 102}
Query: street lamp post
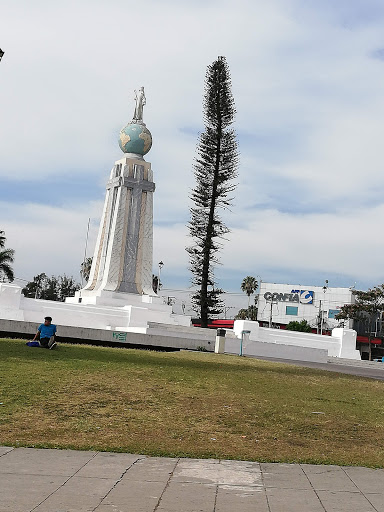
{"x": 161, "y": 265}
{"x": 271, "y": 312}
{"x": 325, "y": 288}
{"x": 258, "y": 293}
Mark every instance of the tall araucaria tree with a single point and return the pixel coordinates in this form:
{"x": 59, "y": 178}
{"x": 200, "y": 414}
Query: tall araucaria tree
{"x": 215, "y": 169}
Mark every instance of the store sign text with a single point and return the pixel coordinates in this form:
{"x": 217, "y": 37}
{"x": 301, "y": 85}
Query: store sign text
{"x": 300, "y": 296}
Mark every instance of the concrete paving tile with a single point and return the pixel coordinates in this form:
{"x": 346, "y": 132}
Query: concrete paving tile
{"x": 366, "y": 479}
{"x": 284, "y": 476}
{"x": 161, "y": 460}
{"x": 217, "y": 474}
{"x": 33, "y": 461}
{"x": 344, "y": 502}
{"x": 314, "y": 468}
{"x": 78, "y": 495}
{"x": 286, "y": 480}
{"x": 198, "y": 461}
{"x": 5, "y": 449}
{"x": 110, "y": 508}
{"x": 69, "y": 481}
{"x": 114, "y": 508}
{"x": 243, "y": 499}
{"x": 246, "y": 489}
{"x": 377, "y": 500}
{"x": 151, "y": 470}
{"x": 275, "y": 468}
{"x": 293, "y": 500}
{"x": 254, "y": 466}
{"x": 195, "y": 463}
{"x": 108, "y": 465}
{"x": 188, "y": 497}
{"x": 139, "y": 496}
{"x": 23, "y": 493}
{"x": 330, "y": 478}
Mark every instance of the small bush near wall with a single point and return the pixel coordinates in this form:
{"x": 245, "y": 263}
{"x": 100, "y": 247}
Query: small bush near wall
{"x": 302, "y": 326}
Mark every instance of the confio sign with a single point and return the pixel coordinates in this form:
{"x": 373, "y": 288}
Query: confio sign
{"x": 300, "y": 296}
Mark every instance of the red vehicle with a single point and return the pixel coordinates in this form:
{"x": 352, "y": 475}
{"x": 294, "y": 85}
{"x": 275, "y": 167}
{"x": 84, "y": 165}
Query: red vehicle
{"x": 215, "y": 324}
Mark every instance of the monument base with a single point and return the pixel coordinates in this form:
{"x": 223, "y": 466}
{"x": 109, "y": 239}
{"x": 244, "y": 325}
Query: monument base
{"x": 98, "y": 310}
{"x": 109, "y": 298}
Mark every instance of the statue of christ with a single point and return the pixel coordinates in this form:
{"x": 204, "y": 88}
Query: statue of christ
{"x": 140, "y": 102}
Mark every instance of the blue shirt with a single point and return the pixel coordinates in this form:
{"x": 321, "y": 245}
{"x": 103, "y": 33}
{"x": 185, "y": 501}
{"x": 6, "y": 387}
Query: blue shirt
{"x": 46, "y": 331}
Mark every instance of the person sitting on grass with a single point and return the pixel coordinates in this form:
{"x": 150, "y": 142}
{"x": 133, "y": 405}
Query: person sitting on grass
{"x": 47, "y": 332}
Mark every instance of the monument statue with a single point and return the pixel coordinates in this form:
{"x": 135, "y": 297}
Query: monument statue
{"x": 140, "y": 102}
{"x": 122, "y": 261}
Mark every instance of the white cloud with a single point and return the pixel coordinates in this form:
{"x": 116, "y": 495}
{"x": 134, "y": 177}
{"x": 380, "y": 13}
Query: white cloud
{"x": 346, "y": 244}
{"x": 48, "y": 239}
{"x": 310, "y": 114}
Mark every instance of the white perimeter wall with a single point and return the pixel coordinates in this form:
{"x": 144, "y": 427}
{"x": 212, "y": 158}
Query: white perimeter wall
{"x": 342, "y": 343}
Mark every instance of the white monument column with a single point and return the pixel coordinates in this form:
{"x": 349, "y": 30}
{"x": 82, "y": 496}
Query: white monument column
{"x": 122, "y": 260}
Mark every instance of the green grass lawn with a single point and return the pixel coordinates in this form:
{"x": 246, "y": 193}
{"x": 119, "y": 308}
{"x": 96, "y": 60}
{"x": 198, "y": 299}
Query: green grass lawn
{"x": 188, "y": 404}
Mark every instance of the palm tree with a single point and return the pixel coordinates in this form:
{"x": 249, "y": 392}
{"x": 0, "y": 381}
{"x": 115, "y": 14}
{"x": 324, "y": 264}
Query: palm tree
{"x": 249, "y": 286}
{"x": 86, "y": 268}
{"x": 6, "y": 258}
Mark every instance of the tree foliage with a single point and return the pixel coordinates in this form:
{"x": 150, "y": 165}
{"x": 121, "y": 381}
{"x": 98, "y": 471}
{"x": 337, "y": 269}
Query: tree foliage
{"x": 214, "y": 169}
{"x": 155, "y": 283}
{"x": 249, "y": 285}
{"x": 6, "y": 260}
{"x": 366, "y": 308}
{"x": 302, "y": 326}
{"x": 85, "y": 268}
{"x": 249, "y": 313}
{"x": 55, "y": 288}
{"x": 369, "y": 302}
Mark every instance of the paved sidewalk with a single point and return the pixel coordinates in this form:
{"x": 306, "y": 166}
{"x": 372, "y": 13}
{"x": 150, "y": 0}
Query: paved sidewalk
{"x": 74, "y": 481}
{"x": 367, "y": 369}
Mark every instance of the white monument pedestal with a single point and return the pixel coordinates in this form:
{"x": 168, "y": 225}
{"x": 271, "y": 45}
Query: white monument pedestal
{"x": 124, "y": 312}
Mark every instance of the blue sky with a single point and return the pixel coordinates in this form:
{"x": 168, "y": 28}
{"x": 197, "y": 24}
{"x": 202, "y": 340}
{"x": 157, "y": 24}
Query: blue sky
{"x": 308, "y": 85}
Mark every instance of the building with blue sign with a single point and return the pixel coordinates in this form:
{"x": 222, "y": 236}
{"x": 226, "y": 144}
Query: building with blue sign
{"x": 279, "y": 304}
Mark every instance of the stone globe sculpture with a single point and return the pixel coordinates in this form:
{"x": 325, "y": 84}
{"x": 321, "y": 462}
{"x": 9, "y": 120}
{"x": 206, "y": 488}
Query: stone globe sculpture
{"x": 135, "y": 136}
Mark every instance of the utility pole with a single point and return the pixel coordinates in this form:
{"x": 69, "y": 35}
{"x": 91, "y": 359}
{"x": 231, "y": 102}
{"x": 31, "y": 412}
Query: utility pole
{"x": 320, "y": 319}
{"x": 270, "y": 315}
